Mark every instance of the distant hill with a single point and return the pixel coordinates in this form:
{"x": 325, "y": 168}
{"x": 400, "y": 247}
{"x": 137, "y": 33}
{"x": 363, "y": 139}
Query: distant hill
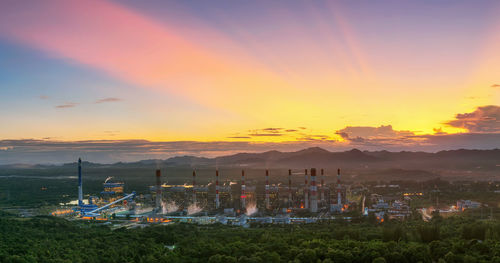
{"x": 362, "y": 165}
{"x": 318, "y": 157}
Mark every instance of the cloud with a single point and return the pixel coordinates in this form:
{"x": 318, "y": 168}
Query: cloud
{"x": 43, "y": 97}
{"x": 484, "y": 119}
{"x": 239, "y": 137}
{"x": 382, "y": 137}
{"x": 150, "y": 54}
{"x": 495, "y": 86}
{"x": 111, "y": 133}
{"x": 344, "y": 135}
{"x": 314, "y": 137}
{"x": 67, "y": 105}
{"x": 272, "y": 130}
{"x": 372, "y": 132}
{"x": 291, "y": 130}
{"x": 110, "y": 99}
{"x": 438, "y": 131}
{"x": 265, "y": 134}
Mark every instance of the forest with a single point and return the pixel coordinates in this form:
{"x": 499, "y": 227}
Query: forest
{"x": 51, "y": 239}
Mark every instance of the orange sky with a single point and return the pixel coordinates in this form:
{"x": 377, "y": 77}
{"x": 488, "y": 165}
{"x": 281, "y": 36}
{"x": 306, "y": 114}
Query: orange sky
{"x": 226, "y": 74}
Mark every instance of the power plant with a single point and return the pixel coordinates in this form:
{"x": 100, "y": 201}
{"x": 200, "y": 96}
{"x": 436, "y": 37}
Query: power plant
{"x": 273, "y": 203}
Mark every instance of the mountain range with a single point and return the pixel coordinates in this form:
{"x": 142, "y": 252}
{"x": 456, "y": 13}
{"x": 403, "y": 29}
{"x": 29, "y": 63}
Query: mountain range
{"x": 462, "y": 159}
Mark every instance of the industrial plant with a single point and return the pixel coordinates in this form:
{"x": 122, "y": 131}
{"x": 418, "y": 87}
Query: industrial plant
{"x": 226, "y": 201}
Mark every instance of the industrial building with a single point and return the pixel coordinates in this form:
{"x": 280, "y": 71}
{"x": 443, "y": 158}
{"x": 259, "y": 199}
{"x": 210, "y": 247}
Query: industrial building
{"x": 215, "y": 202}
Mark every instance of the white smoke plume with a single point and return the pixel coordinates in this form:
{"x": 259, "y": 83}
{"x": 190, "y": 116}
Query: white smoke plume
{"x": 168, "y": 207}
{"x": 193, "y": 209}
{"x": 251, "y": 209}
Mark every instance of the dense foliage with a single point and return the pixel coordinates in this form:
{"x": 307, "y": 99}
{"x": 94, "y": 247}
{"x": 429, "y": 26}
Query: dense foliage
{"x": 47, "y": 239}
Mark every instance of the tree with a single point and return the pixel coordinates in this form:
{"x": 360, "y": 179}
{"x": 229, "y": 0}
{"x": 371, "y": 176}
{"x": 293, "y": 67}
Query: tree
{"x": 379, "y": 260}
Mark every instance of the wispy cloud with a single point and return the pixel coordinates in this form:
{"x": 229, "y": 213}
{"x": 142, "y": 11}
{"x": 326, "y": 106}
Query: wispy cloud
{"x": 495, "y": 86}
{"x": 43, "y": 97}
{"x": 67, "y": 105}
{"x": 273, "y": 130}
{"x": 265, "y": 134}
{"x": 297, "y": 134}
{"x": 111, "y": 133}
{"x": 109, "y": 99}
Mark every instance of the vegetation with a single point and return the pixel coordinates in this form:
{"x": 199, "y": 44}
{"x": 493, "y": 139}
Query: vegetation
{"x": 49, "y": 239}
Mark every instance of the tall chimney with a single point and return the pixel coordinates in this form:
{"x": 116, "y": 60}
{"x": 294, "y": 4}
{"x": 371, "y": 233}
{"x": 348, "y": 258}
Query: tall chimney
{"x": 314, "y": 189}
{"x": 217, "y": 189}
{"x": 80, "y": 186}
{"x": 322, "y": 186}
{"x": 290, "y": 189}
{"x": 243, "y": 196}
{"x": 158, "y": 190}
{"x": 268, "y": 205}
{"x": 306, "y": 192}
{"x": 339, "y": 196}
{"x": 194, "y": 184}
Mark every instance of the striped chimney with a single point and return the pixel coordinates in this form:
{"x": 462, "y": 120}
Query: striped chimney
{"x": 158, "y": 190}
{"x": 194, "y": 184}
{"x": 314, "y": 189}
{"x": 217, "y": 189}
{"x": 268, "y": 205}
{"x": 290, "y": 188}
{"x": 306, "y": 192}
{"x": 322, "y": 186}
{"x": 339, "y": 196}
{"x": 243, "y": 197}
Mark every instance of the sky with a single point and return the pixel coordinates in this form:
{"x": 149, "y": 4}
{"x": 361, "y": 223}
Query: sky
{"x": 208, "y": 78}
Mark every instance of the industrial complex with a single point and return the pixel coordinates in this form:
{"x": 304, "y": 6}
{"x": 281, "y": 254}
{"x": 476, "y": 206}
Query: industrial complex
{"x": 229, "y": 202}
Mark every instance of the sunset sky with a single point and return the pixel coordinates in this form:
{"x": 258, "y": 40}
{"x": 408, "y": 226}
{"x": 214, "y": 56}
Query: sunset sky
{"x": 161, "y": 78}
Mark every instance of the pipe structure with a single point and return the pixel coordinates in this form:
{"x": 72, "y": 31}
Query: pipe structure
{"x": 268, "y": 205}
{"x": 158, "y": 190}
{"x": 322, "y": 187}
{"x": 80, "y": 185}
{"x": 339, "y": 195}
{"x": 217, "y": 204}
{"x": 243, "y": 197}
{"x": 194, "y": 189}
{"x": 314, "y": 189}
{"x": 290, "y": 205}
{"x": 306, "y": 192}
{"x": 132, "y": 195}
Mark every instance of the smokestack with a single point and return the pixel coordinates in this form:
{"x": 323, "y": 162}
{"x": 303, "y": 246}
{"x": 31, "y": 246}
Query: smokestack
{"x": 290, "y": 188}
{"x": 80, "y": 186}
{"x": 306, "y": 192}
{"x": 194, "y": 184}
{"x": 339, "y": 196}
{"x": 217, "y": 189}
{"x": 314, "y": 189}
{"x": 243, "y": 196}
{"x": 322, "y": 187}
{"x": 158, "y": 190}
{"x": 268, "y": 205}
